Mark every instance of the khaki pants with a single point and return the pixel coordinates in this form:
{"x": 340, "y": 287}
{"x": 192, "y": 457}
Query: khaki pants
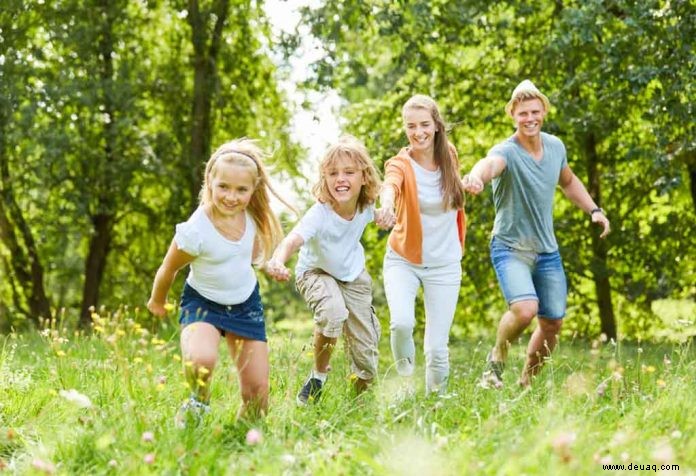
{"x": 345, "y": 307}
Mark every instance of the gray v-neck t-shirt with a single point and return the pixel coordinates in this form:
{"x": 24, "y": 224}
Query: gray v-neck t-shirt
{"x": 524, "y": 194}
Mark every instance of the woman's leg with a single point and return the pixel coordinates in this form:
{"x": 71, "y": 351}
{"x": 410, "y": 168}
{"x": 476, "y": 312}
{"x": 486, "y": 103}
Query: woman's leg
{"x": 440, "y": 294}
{"x": 251, "y": 358}
{"x": 400, "y": 286}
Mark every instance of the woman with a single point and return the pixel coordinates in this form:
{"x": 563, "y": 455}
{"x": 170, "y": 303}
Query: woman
{"x": 424, "y": 197}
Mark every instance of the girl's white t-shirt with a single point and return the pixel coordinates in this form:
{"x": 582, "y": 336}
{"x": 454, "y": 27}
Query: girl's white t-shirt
{"x": 332, "y": 243}
{"x": 440, "y": 236}
{"x": 222, "y": 270}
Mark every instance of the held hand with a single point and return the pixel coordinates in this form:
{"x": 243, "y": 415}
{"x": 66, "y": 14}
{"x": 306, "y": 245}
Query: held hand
{"x": 472, "y": 184}
{"x": 601, "y": 219}
{"x": 157, "y": 308}
{"x": 385, "y": 218}
{"x": 277, "y": 270}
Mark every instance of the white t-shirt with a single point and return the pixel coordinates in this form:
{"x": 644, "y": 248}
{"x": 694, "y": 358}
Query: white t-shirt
{"x": 222, "y": 270}
{"x": 331, "y": 243}
{"x": 440, "y": 236}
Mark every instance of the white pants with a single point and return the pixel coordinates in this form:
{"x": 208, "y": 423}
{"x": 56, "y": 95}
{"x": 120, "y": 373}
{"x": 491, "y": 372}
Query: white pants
{"x": 440, "y": 294}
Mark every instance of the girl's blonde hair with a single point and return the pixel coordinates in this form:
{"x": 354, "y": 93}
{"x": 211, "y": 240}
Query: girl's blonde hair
{"x": 351, "y": 148}
{"x": 450, "y": 183}
{"x": 245, "y": 153}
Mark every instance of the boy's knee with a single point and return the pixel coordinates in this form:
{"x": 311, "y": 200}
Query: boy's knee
{"x": 331, "y": 321}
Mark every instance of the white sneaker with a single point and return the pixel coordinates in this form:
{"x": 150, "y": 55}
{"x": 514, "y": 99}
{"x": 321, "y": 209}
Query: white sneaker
{"x": 191, "y": 413}
{"x": 405, "y": 367}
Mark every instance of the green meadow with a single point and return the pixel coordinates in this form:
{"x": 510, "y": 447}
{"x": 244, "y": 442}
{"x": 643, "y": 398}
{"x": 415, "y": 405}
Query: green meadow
{"x": 103, "y": 402}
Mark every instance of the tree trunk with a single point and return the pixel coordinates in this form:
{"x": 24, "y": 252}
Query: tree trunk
{"x": 103, "y": 216}
{"x": 24, "y": 266}
{"x": 99, "y": 247}
{"x": 600, "y": 271}
{"x": 205, "y": 54}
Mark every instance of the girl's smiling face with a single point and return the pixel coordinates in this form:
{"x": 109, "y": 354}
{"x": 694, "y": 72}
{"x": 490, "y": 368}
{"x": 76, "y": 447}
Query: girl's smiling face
{"x": 232, "y": 187}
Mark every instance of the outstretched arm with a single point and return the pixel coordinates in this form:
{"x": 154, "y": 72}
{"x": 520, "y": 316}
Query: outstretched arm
{"x": 275, "y": 266}
{"x": 174, "y": 260}
{"x": 483, "y": 172}
{"x": 577, "y": 193}
{"x": 385, "y": 217}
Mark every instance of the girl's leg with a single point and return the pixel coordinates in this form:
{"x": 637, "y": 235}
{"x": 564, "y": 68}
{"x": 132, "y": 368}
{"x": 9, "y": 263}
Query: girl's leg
{"x": 440, "y": 294}
{"x": 251, "y": 358}
{"x": 199, "y": 348}
{"x": 400, "y": 286}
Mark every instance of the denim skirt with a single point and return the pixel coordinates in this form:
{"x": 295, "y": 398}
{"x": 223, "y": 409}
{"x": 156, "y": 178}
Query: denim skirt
{"x": 245, "y": 319}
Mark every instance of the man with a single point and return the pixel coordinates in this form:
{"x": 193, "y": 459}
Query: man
{"x": 525, "y": 170}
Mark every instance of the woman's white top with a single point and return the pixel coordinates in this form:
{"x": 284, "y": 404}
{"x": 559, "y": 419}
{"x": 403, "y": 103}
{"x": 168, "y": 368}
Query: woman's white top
{"x": 222, "y": 270}
{"x": 440, "y": 236}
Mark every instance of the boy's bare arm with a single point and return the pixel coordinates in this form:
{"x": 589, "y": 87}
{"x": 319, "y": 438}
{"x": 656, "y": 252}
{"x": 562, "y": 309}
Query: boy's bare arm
{"x": 275, "y": 267}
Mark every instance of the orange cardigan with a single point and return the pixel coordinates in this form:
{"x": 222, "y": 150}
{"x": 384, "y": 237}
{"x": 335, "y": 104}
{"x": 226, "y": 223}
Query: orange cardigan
{"x": 406, "y": 238}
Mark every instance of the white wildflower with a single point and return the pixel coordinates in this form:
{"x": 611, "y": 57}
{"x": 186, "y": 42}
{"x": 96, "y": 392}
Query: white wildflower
{"x": 76, "y": 397}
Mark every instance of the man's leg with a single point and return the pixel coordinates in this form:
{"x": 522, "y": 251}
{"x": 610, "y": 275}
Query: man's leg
{"x": 540, "y": 346}
{"x": 513, "y": 269}
{"x": 513, "y": 323}
{"x": 552, "y": 289}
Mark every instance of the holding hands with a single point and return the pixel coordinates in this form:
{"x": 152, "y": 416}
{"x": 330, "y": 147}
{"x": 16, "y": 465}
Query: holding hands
{"x": 472, "y": 184}
{"x": 385, "y": 217}
{"x": 277, "y": 270}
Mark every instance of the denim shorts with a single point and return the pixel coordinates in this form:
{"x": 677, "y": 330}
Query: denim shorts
{"x": 525, "y": 275}
{"x": 245, "y": 319}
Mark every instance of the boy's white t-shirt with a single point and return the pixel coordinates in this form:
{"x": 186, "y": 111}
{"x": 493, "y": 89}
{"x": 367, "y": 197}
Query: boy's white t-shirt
{"x": 332, "y": 243}
{"x": 440, "y": 235}
{"x": 222, "y": 270}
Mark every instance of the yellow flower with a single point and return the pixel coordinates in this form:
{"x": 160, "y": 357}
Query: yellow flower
{"x": 169, "y": 307}
{"x": 661, "y": 383}
{"x": 203, "y": 371}
{"x": 200, "y": 383}
{"x": 176, "y": 357}
{"x": 60, "y": 353}
{"x": 137, "y": 360}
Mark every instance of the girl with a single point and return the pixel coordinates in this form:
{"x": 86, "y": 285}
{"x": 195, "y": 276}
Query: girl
{"x": 423, "y": 195}
{"x": 232, "y": 227}
{"x": 330, "y": 271}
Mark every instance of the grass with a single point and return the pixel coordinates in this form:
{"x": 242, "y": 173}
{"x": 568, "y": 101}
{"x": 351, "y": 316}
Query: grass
{"x": 595, "y": 403}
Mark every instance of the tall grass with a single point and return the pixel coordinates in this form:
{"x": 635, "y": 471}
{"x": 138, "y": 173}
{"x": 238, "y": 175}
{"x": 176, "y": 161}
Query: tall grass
{"x": 594, "y": 403}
